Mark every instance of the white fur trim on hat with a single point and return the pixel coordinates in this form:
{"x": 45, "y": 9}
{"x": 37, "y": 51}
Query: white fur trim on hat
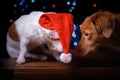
{"x": 66, "y": 58}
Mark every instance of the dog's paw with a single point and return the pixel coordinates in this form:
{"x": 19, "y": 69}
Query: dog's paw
{"x": 66, "y": 58}
{"x": 42, "y": 57}
{"x": 20, "y": 60}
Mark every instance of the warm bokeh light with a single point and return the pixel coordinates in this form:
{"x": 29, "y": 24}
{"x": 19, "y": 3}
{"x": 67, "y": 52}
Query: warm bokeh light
{"x": 53, "y": 5}
{"x": 94, "y": 5}
{"x": 11, "y": 20}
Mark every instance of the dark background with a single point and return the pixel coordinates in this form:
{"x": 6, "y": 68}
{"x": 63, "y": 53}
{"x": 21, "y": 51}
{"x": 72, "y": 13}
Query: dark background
{"x": 82, "y": 9}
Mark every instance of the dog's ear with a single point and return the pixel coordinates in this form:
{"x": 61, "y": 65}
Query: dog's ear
{"x": 107, "y": 32}
{"x": 53, "y": 35}
{"x": 104, "y": 23}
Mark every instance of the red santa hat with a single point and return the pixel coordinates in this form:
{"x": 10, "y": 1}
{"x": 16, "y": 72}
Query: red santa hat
{"x": 63, "y": 24}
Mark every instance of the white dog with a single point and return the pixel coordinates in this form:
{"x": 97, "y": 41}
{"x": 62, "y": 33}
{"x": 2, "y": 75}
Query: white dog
{"x": 26, "y": 34}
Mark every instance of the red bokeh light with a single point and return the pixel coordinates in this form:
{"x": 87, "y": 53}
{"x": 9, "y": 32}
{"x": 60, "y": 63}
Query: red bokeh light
{"x": 11, "y": 20}
{"x": 94, "y": 5}
{"x": 53, "y": 5}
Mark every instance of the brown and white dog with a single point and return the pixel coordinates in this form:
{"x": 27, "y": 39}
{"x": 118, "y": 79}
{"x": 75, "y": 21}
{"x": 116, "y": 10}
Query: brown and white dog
{"x": 26, "y": 34}
{"x": 101, "y": 29}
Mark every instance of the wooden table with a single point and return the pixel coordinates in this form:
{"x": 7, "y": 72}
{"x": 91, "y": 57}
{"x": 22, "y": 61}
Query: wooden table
{"x": 92, "y": 67}
{"x": 53, "y": 70}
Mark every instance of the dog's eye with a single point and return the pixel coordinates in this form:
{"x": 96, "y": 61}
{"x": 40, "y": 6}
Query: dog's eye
{"x": 86, "y": 34}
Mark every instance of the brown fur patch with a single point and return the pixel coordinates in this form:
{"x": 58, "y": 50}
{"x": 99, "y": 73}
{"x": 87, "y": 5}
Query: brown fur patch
{"x": 13, "y": 33}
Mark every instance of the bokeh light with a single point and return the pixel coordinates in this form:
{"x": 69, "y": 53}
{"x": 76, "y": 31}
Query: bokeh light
{"x": 53, "y": 5}
{"x": 11, "y": 20}
{"x": 94, "y": 5}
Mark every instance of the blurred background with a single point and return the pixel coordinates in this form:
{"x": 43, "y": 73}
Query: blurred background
{"x": 80, "y": 9}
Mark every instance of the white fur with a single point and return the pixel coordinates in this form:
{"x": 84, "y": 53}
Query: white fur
{"x": 29, "y": 29}
{"x": 66, "y": 58}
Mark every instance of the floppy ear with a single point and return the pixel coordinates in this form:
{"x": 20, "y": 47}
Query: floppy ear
{"x": 107, "y": 32}
{"x": 53, "y": 35}
{"x": 104, "y": 23}
{"x": 108, "y": 26}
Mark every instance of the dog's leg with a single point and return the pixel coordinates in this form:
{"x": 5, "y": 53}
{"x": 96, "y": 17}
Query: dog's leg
{"x": 12, "y": 51}
{"x": 55, "y": 54}
{"x": 38, "y": 57}
{"x": 23, "y": 50}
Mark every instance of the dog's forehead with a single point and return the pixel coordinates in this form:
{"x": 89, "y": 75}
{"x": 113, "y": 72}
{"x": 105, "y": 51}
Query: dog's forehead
{"x": 87, "y": 24}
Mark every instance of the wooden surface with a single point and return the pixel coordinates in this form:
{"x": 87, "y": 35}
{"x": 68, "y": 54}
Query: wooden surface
{"x": 42, "y": 70}
{"x": 103, "y": 65}
{"x": 52, "y": 70}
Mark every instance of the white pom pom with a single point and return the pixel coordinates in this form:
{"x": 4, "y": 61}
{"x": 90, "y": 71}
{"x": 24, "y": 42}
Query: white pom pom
{"x": 66, "y": 58}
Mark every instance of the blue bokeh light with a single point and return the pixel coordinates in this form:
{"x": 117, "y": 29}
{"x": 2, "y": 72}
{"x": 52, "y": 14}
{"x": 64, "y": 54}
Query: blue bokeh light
{"x": 32, "y": 1}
